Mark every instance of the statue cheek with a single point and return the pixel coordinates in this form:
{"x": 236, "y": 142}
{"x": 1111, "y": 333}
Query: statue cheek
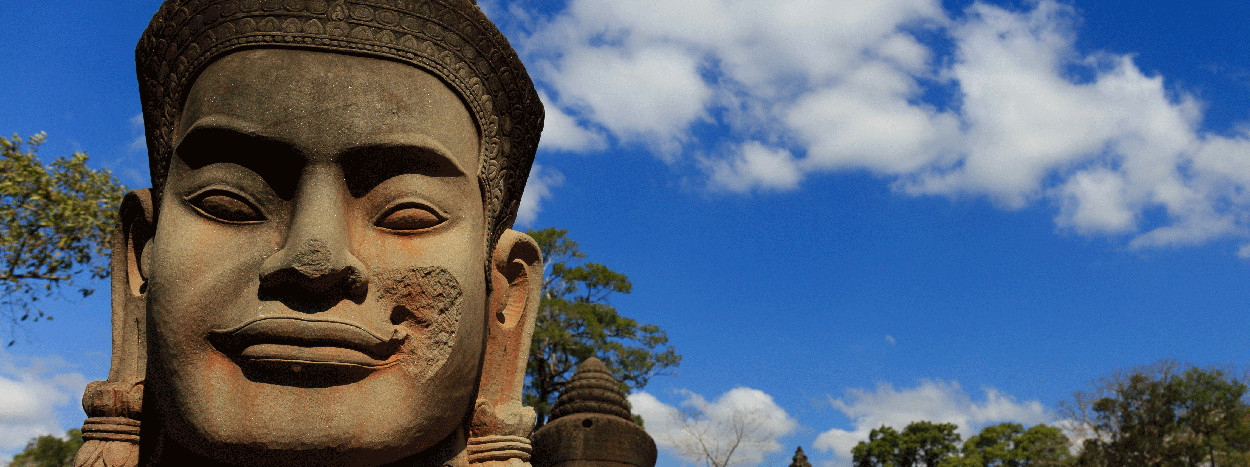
{"x": 426, "y": 303}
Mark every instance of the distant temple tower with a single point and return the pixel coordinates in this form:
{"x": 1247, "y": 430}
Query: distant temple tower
{"x": 591, "y": 426}
{"x": 800, "y": 459}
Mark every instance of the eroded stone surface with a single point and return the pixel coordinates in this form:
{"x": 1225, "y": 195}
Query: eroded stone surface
{"x": 427, "y": 308}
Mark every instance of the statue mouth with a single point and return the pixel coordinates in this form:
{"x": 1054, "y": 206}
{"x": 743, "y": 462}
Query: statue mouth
{"x": 299, "y": 344}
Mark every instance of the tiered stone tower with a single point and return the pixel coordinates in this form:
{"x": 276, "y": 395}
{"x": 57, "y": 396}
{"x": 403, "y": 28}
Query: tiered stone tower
{"x": 800, "y": 459}
{"x": 591, "y": 426}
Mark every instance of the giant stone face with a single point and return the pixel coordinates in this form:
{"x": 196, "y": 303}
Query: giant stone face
{"x": 316, "y": 282}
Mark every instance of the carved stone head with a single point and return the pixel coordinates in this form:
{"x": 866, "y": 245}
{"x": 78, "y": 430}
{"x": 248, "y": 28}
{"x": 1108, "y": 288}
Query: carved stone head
{"x": 323, "y": 272}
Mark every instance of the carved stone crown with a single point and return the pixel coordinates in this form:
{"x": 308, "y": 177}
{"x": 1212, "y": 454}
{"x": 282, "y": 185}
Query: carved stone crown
{"x": 450, "y": 38}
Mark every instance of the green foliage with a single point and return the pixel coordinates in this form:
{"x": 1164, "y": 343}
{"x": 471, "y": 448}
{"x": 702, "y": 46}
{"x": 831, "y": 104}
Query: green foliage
{"x": 1044, "y": 446}
{"x": 49, "y": 451}
{"x": 920, "y": 444}
{"x": 930, "y": 444}
{"x": 995, "y": 445}
{"x": 1162, "y": 416}
{"x": 576, "y": 322}
{"x": 55, "y": 223}
{"x": 1010, "y": 445}
{"x": 881, "y": 449}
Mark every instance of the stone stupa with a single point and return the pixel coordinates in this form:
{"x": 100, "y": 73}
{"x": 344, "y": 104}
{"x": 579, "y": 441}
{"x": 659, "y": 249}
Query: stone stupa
{"x": 591, "y": 425}
{"x": 800, "y": 459}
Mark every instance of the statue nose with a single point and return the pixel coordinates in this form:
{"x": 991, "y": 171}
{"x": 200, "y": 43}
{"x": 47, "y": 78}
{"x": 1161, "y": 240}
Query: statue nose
{"x": 315, "y": 268}
{"x": 314, "y": 271}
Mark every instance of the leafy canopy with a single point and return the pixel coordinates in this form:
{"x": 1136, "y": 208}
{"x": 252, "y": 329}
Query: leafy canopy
{"x": 920, "y": 444}
{"x": 575, "y": 322}
{"x": 927, "y": 444}
{"x": 55, "y": 223}
{"x": 1010, "y": 445}
{"x": 49, "y": 451}
{"x": 1165, "y": 415}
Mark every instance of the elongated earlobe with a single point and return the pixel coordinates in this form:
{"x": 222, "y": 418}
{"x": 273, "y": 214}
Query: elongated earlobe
{"x": 501, "y": 425}
{"x": 115, "y": 407}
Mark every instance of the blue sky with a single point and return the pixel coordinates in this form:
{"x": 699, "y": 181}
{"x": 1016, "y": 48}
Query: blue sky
{"x": 843, "y": 213}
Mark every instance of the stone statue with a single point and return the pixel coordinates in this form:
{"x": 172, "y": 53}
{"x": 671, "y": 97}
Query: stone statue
{"x": 323, "y": 272}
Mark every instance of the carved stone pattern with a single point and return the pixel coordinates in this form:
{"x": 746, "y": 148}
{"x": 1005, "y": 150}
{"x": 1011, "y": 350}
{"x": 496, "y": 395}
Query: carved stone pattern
{"x": 111, "y": 433}
{"x": 450, "y": 38}
{"x": 111, "y": 429}
{"x": 498, "y": 448}
{"x": 592, "y": 390}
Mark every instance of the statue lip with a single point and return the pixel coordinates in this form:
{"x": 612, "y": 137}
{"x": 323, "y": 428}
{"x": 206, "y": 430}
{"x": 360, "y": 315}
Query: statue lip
{"x": 298, "y": 342}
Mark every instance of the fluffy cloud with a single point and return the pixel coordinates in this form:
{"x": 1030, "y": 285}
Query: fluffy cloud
{"x": 756, "y": 166}
{"x": 934, "y": 401}
{"x": 538, "y": 188}
{"x": 562, "y": 133}
{"x": 743, "y": 418}
{"x": 31, "y": 390}
{"x": 1012, "y": 112}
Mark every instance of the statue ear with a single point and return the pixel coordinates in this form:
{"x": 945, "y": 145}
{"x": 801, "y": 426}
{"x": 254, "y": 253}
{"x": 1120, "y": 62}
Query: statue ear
{"x": 135, "y": 229}
{"x": 137, "y": 226}
{"x": 115, "y": 407}
{"x": 516, "y": 276}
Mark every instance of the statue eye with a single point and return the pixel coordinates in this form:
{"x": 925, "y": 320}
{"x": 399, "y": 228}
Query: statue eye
{"x": 224, "y": 206}
{"x": 409, "y": 217}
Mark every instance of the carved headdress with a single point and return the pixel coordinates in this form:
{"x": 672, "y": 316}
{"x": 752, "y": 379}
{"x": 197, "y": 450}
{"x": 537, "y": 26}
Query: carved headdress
{"x": 452, "y": 39}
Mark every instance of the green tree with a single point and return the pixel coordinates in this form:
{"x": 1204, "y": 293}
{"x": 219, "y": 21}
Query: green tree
{"x": 881, "y": 449}
{"x": 55, "y": 223}
{"x": 1010, "y": 445}
{"x": 995, "y": 445}
{"x": 49, "y": 451}
{"x": 1163, "y": 416}
{"x": 575, "y": 322}
{"x": 920, "y": 444}
{"x": 930, "y": 444}
{"x": 1044, "y": 446}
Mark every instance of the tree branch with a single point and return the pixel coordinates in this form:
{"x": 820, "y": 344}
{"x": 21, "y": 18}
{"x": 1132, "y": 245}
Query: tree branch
{"x": 17, "y": 277}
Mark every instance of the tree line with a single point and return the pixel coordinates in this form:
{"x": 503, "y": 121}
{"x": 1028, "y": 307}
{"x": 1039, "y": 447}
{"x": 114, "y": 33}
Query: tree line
{"x": 1164, "y": 415}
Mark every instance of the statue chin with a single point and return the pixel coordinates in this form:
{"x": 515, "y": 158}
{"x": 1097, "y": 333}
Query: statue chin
{"x": 221, "y": 414}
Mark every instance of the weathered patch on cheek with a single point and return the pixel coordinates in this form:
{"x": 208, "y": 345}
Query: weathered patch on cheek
{"x": 426, "y": 303}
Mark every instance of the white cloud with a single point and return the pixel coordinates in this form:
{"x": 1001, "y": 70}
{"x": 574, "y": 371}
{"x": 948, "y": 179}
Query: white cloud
{"x": 805, "y": 87}
{"x": 934, "y": 401}
{"x": 756, "y": 166}
{"x": 561, "y": 132}
{"x": 890, "y": 340}
{"x": 745, "y": 414}
{"x": 31, "y": 390}
{"x": 1093, "y": 201}
{"x": 138, "y": 143}
{"x": 537, "y": 189}
{"x": 651, "y": 94}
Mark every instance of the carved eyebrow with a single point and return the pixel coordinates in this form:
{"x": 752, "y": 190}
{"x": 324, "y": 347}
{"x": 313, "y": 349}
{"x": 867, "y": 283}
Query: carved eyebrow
{"x": 369, "y": 165}
{"x": 216, "y": 140}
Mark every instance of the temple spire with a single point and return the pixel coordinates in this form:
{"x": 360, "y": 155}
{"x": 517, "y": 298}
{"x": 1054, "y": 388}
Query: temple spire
{"x": 800, "y": 459}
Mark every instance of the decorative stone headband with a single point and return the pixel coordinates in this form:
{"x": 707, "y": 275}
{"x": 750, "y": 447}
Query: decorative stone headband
{"x": 450, "y": 38}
